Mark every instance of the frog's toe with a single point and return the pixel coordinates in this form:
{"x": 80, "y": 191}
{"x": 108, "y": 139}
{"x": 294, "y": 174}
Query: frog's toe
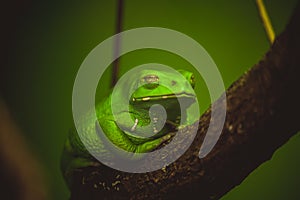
{"x": 167, "y": 137}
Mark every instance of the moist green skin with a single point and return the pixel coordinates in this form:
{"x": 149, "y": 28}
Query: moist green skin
{"x": 155, "y": 91}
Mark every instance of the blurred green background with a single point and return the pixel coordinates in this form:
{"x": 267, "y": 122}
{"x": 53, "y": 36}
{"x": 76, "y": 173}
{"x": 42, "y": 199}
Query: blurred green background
{"x": 52, "y": 38}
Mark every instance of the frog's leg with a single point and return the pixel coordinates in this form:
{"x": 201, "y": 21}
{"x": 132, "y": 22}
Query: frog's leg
{"x": 129, "y": 124}
{"x": 119, "y": 138}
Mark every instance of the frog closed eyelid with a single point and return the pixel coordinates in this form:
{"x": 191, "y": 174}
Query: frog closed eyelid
{"x": 150, "y": 81}
{"x": 151, "y": 78}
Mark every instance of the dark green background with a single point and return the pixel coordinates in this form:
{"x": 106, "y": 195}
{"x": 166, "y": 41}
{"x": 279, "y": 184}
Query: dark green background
{"x": 53, "y": 37}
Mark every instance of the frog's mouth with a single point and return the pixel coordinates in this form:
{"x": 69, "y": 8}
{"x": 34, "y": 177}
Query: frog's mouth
{"x": 160, "y": 97}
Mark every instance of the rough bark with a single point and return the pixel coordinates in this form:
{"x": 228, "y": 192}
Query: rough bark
{"x": 262, "y": 114}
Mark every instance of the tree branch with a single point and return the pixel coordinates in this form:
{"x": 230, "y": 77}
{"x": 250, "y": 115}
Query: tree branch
{"x": 262, "y": 114}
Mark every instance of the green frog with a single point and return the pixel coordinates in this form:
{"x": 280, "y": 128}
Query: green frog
{"x": 125, "y": 127}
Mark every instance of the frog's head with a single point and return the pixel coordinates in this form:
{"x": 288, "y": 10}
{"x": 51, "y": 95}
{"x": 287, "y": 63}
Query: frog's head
{"x": 164, "y": 88}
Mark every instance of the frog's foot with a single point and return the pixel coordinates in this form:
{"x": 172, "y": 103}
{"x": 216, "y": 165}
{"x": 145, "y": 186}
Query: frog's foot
{"x": 153, "y": 144}
{"x": 183, "y": 127}
{"x": 136, "y": 121}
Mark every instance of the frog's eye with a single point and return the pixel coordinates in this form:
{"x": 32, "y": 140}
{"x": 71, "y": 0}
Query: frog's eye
{"x": 150, "y": 81}
{"x": 189, "y": 77}
{"x": 192, "y": 80}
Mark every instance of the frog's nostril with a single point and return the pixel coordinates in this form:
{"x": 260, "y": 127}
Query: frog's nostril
{"x": 173, "y": 83}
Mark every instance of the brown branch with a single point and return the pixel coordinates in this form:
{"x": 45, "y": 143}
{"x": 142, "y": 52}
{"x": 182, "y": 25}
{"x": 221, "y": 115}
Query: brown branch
{"x": 262, "y": 114}
{"x": 119, "y": 26}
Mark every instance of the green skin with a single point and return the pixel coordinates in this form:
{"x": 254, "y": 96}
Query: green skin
{"x": 151, "y": 87}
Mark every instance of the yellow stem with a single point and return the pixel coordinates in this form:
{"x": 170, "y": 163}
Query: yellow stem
{"x": 266, "y": 20}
